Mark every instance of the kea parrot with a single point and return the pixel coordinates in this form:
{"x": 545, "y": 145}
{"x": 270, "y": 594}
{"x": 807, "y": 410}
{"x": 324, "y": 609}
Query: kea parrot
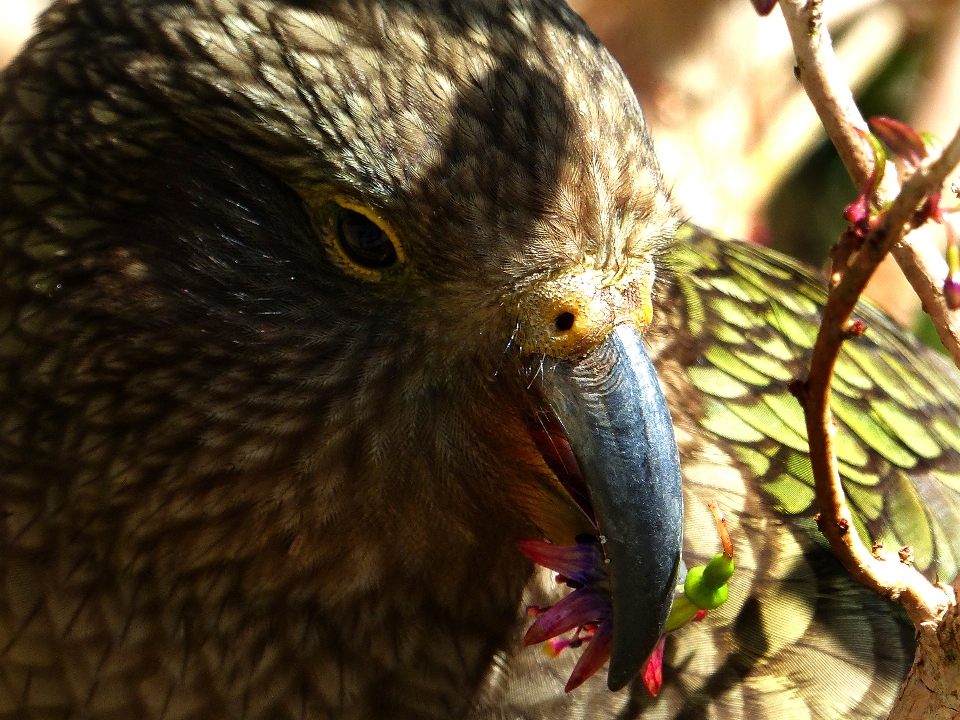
{"x": 313, "y": 311}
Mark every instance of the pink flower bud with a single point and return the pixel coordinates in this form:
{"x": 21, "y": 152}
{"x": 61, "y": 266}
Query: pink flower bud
{"x": 951, "y": 292}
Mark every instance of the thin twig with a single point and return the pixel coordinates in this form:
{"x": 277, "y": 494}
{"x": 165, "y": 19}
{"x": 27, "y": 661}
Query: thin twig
{"x": 925, "y": 269}
{"x": 794, "y": 130}
{"x": 822, "y": 78}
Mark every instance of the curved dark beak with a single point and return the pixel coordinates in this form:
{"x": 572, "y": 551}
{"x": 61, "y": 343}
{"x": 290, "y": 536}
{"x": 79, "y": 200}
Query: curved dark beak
{"x": 616, "y": 419}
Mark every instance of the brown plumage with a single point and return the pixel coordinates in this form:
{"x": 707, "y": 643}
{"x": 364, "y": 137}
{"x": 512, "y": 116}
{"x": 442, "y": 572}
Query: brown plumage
{"x": 243, "y": 474}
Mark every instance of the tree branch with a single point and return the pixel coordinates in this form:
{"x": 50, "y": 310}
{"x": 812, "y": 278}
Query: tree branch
{"x": 893, "y": 580}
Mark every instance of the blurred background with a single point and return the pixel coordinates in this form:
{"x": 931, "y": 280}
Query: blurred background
{"x": 734, "y": 131}
{"x": 16, "y": 21}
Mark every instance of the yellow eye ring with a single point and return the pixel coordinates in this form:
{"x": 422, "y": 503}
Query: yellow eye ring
{"x": 364, "y": 240}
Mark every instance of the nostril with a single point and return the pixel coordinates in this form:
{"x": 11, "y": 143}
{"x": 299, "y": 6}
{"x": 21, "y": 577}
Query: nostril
{"x": 564, "y": 321}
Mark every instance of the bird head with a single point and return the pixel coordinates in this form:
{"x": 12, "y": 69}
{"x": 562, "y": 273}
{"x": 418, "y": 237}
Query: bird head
{"x": 306, "y": 289}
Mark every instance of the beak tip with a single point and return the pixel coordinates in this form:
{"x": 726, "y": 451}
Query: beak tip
{"x": 617, "y": 678}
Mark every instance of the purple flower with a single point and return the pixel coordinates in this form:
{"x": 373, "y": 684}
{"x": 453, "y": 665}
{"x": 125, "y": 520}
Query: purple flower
{"x": 588, "y": 610}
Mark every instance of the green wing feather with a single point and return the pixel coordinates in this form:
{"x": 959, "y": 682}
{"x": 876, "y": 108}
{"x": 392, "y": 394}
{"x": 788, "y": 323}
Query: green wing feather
{"x": 798, "y": 639}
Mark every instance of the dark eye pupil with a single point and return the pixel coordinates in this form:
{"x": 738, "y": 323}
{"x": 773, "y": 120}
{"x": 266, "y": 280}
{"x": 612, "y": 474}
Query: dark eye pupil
{"x": 363, "y": 241}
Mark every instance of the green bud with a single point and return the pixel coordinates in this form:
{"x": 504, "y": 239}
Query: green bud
{"x": 718, "y": 571}
{"x": 706, "y": 586}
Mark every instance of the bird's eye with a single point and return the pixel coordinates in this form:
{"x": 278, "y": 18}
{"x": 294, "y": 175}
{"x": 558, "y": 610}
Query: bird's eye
{"x": 363, "y": 241}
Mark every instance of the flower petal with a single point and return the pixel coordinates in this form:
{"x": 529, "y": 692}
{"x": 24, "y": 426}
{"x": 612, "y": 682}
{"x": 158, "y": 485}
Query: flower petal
{"x": 653, "y": 669}
{"x": 582, "y": 606}
{"x": 582, "y": 562}
{"x": 597, "y": 653}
